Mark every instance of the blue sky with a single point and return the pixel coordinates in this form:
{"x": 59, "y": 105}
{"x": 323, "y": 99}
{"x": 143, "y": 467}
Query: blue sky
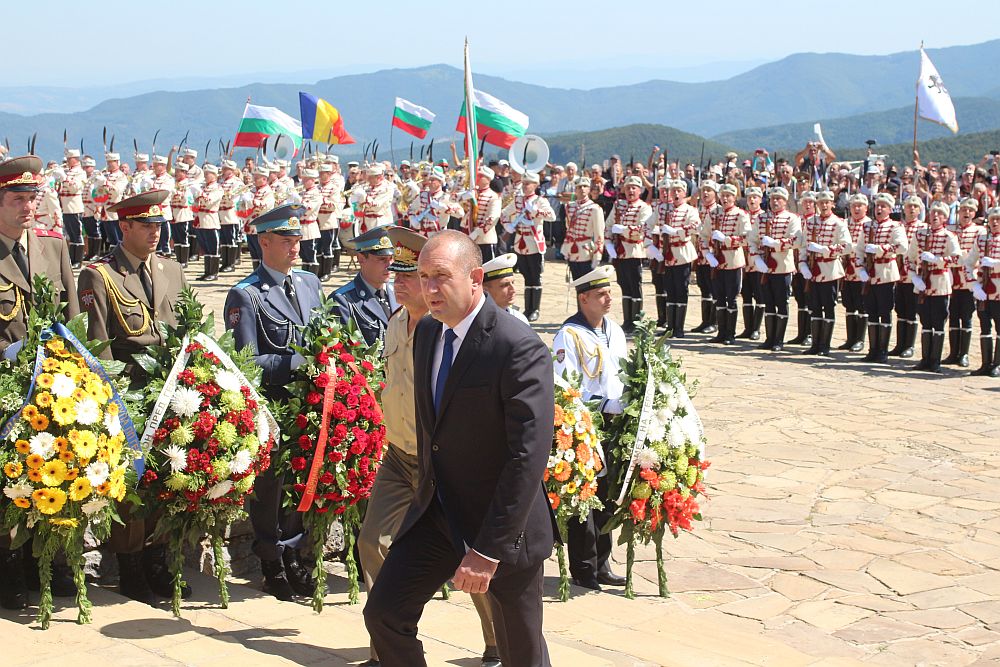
{"x": 113, "y": 42}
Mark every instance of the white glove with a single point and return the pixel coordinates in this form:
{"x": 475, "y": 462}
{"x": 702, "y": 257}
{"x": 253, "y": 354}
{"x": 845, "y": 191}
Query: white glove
{"x": 668, "y": 230}
{"x": 652, "y": 252}
{"x": 610, "y": 247}
{"x": 612, "y": 406}
{"x": 595, "y": 261}
{"x": 918, "y": 283}
{"x": 712, "y": 261}
{"x": 467, "y": 195}
{"x": 988, "y": 262}
{"x": 804, "y": 270}
{"x": 659, "y": 255}
{"x": 929, "y": 257}
{"x": 816, "y": 247}
{"x": 978, "y": 293}
{"x": 760, "y": 264}
{"x": 509, "y": 227}
{"x": 863, "y": 274}
{"x": 529, "y": 206}
{"x": 436, "y": 205}
{"x": 718, "y": 236}
{"x": 769, "y": 242}
{"x": 871, "y": 248}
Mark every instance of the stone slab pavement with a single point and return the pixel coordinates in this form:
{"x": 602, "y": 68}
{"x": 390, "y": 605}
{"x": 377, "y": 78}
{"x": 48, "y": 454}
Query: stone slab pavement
{"x": 852, "y": 519}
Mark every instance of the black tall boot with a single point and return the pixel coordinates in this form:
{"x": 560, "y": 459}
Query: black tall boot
{"x": 731, "y": 315}
{"x": 758, "y": 318}
{"x": 182, "y": 252}
{"x": 706, "y": 317}
{"x": 229, "y": 259}
{"x": 132, "y": 580}
{"x": 816, "y": 334}
{"x": 954, "y": 336}
{"x": 937, "y": 348}
{"x": 713, "y": 318}
{"x": 910, "y": 341}
{"x": 804, "y": 322}
{"x": 925, "y": 350}
{"x": 748, "y": 310}
{"x": 536, "y": 304}
{"x": 661, "y": 313}
{"x": 670, "y": 312}
{"x": 874, "y": 330}
{"x": 825, "y": 335}
{"x": 851, "y": 330}
{"x": 336, "y": 260}
{"x": 13, "y": 590}
{"x": 986, "y": 349}
{"x": 769, "y": 321}
{"x": 627, "y": 326}
{"x": 964, "y": 342}
{"x": 995, "y": 370}
{"x": 780, "y": 325}
{"x": 721, "y": 320}
{"x": 211, "y": 268}
{"x": 884, "y": 331}
{"x": 324, "y": 267}
{"x": 680, "y": 314}
{"x": 861, "y": 325}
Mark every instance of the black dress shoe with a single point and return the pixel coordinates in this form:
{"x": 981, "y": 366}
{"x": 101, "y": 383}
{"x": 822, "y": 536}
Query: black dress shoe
{"x": 13, "y": 591}
{"x": 275, "y": 582}
{"x": 299, "y": 576}
{"x": 491, "y": 657}
{"x": 589, "y": 582}
{"x": 157, "y": 572}
{"x": 371, "y": 662}
{"x": 609, "y": 578}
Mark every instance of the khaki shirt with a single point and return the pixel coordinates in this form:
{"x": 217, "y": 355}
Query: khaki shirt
{"x": 398, "y": 405}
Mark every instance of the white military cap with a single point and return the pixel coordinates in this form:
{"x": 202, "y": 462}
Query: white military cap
{"x": 503, "y": 163}
{"x": 677, "y": 184}
{"x": 229, "y": 164}
{"x": 283, "y": 163}
{"x": 531, "y": 177}
{"x": 487, "y": 172}
{"x": 754, "y": 190}
{"x": 808, "y": 195}
{"x": 159, "y": 159}
{"x": 499, "y": 267}
{"x": 596, "y": 279}
{"x": 72, "y": 152}
{"x": 352, "y": 163}
{"x": 210, "y": 169}
{"x": 181, "y": 166}
{"x": 583, "y": 182}
{"x": 262, "y": 171}
{"x": 189, "y": 152}
{"x": 375, "y": 169}
{"x": 709, "y": 185}
{"x": 142, "y": 157}
{"x": 332, "y": 159}
{"x": 825, "y": 195}
{"x": 914, "y": 200}
{"x": 858, "y": 198}
{"x": 633, "y": 180}
{"x": 112, "y": 157}
{"x": 885, "y": 198}
{"x": 779, "y": 192}
{"x": 326, "y": 168}
{"x": 993, "y": 213}
{"x": 404, "y": 163}
{"x": 309, "y": 173}
{"x": 970, "y": 202}
{"x": 437, "y": 173}
{"x": 941, "y": 207}
{"x": 89, "y": 162}
{"x": 728, "y": 188}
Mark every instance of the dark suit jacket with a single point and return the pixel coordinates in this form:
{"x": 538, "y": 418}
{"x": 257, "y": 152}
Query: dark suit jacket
{"x": 485, "y": 453}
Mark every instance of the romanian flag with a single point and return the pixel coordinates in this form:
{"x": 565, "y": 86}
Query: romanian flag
{"x": 321, "y": 121}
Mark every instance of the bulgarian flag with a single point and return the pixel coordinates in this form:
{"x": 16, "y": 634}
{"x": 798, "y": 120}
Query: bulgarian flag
{"x": 412, "y": 118}
{"x": 496, "y": 120}
{"x": 259, "y": 123}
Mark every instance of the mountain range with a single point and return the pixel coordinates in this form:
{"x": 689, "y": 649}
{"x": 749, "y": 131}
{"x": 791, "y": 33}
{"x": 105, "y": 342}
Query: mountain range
{"x": 797, "y": 89}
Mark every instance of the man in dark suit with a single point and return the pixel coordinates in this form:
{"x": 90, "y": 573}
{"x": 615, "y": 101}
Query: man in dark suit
{"x": 369, "y": 299}
{"x": 479, "y": 516}
{"x": 266, "y": 310}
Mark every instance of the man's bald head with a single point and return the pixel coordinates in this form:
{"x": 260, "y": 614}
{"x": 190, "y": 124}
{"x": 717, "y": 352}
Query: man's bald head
{"x": 464, "y": 252}
{"x": 451, "y": 276}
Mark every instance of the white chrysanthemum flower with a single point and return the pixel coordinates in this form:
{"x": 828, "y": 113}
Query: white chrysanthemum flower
{"x": 580, "y": 427}
{"x": 62, "y": 386}
{"x": 88, "y": 412}
{"x": 676, "y": 437}
{"x": 567, "y": 429}
{"x": 655, "y": 431}
{"x": 569, "y": 454}
{"x": 94, "y": 506}
{"x": 177, "y": 458}
{"x": 97, "y": 473}
{"x": 647, "y": 458}
{"x": 185, "y": 401}
{"x": 663, "y": 387}
{"x": 43, "y": 444}
{"x": 691, "y": 428}
{"x": 664, "y": 415}
{"x": 228, "y": 381}
{"x": 673, "y": 403}
{"x": 553, "y": 460}
{"x": 219, "y": 490}
{"x": 241, "y": 462}
{"x": 112, "y": 423}
{"x": 263, "y": 428}
{"x": 20, "y": 490}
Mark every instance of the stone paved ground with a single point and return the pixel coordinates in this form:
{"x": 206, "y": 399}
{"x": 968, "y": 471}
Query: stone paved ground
{"x": 853, "y": 519}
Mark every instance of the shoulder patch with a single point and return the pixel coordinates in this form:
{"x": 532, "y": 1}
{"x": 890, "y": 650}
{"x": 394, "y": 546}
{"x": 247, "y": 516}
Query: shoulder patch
{"x": 87, "y": 298}
{"x": 233, "y": 317}
{"x": 248, "y": 281}
{"x": 344, "y": 289}
{"x": 560, "y": 355}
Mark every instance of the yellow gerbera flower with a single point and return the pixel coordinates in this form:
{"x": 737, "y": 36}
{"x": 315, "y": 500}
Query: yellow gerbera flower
{"x": 112, "y": 408}
{"x": 52, "y": 502}
{"x": 79, "y": 394}
{"x": 22, "y": 446}
{"x": 63, "y": 411}
{"x": 571, "y": 488}
{"x": 13, "y": 469}
{"x": 83, "y": 461}
{"x": 84, "y": 443}
{"x": 29, "y": 411}
{"x": 23, "y": 503}
{"x": 56, "y": 345}
{"x": 34, "y": 461}
{"x": 80, "y": 489}
{"x": 64, "y": 523}
{"x": 44, "y": 380}
{"x": 43, "y": 400}
{"x": 39, "y": 422}
{"x": 50, "y": 364}
{"x": 53, "y": 473}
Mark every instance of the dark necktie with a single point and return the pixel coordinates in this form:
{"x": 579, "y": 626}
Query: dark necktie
{"x": 147, "y": 283}
{"x": 447, "y": 355}
{"x": 290, "y": 293}
{"x": 17, "y": 252}
{"x": 383, "y": 300}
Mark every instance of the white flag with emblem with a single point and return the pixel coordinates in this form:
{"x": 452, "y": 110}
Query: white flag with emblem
{"x": 933, "y": 101}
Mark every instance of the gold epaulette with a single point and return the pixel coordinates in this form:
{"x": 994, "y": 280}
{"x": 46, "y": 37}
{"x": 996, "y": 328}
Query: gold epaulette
{"x": 117, "y": 300}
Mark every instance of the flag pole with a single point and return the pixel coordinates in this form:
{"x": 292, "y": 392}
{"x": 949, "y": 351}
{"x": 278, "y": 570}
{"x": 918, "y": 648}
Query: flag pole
{"x": 916, "y": 107}
{"x": 471, "y": 135}
{"x": 392, "y": 151}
